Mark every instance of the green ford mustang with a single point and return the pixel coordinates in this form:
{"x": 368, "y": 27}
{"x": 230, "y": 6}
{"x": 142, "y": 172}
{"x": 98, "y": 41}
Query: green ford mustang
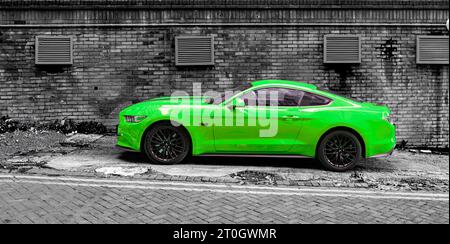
{"x": 273, "y": 118}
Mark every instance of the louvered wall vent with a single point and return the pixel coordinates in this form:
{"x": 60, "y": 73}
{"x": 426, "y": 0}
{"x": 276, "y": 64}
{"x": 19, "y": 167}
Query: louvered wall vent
{"x": 194, "y": 50}
{"x": 432, "y": 50}
{"x": 342, "y": 49}
{"x": 54, "y": 50}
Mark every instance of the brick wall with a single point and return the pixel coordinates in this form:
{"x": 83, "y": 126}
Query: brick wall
{"x": 118, "y": 62}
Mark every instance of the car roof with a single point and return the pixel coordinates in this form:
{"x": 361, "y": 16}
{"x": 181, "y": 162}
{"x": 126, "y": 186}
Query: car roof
{"x": 283, "y": 82}
{"x": 303, "y": 85}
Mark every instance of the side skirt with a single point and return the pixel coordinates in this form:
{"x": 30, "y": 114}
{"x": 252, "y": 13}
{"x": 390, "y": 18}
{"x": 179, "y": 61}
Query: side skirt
{"x": 253, "y": 155}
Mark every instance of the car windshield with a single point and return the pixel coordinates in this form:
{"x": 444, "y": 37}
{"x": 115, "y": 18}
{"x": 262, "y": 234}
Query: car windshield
{"x": 227, "y": 94}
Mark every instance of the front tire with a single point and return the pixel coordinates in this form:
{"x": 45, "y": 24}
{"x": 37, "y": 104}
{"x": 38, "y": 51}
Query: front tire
{"x": 167, "y": 144}
{"x": 339, "y": 151}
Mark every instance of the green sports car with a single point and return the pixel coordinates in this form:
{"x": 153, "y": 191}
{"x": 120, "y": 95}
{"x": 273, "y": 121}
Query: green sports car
{"x": 270, "y": 118}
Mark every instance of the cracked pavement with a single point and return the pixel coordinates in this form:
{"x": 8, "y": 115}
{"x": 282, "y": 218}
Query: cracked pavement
{"x": 86, "y": 154}
{"x": 70, "y": 188}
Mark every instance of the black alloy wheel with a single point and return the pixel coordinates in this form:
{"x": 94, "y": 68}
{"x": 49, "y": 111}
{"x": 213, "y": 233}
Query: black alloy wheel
{"x": 167, "y": 144}
{"x": 339, "y": 151}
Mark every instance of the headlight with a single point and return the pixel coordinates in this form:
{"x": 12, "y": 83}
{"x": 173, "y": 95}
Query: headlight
{"x": 134, "y": 119}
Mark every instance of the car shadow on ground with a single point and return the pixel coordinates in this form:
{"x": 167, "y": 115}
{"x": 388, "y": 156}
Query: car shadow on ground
{"x": 302, "y": 163}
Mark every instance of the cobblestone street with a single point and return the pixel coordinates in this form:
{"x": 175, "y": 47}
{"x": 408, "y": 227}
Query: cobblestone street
{"x": 40, "y": 199}
{"x": 67, "y": 184}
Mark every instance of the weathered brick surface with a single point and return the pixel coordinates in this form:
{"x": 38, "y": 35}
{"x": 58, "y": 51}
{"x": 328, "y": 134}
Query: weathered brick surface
{"x": 68, "y": 202}
{"x": 117, "y": 65}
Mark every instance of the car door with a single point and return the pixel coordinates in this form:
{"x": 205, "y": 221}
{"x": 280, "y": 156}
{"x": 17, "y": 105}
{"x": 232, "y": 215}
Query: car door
{"x": 269, "y": 123}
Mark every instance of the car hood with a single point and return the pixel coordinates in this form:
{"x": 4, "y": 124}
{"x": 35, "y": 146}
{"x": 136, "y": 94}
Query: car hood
{"x": 177, "y": 99}
{"x": 147, "y": 106}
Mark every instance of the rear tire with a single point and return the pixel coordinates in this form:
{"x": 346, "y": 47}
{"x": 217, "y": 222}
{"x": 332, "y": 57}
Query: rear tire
{"x": 339, "y": 150}
{"x": 167, "y": 144}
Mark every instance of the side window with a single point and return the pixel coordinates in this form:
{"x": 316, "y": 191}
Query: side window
{"x": 310, "y": 99}
{"x": 273, "y": 97}
{"x": 249, "y": 98}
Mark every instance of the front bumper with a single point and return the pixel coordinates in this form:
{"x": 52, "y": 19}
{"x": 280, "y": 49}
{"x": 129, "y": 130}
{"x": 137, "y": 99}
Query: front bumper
{"x": 129, "y": 136}
{"x": 125, "y": 148}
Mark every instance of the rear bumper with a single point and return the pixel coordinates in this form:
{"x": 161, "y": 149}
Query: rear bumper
{"x": 382, "y": 141}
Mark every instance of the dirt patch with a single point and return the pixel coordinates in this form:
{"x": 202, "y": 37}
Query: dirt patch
{"x": 357, "y": 177}
{"x": 415, "y": 181}
{"x": 22, "y": 165}
{"x": 423, "y": 184}
{"x": 22, "y": 151}
{"x": 26, "y": 143}
{"x": 404, "y": 175}
{"x": 80, "y": 140}
{"x": 256, "y": 177}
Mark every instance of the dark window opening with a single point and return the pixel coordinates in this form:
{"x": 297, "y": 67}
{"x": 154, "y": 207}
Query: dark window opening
{"x": 283, "y": 97}
{"x": 310, "y": 99}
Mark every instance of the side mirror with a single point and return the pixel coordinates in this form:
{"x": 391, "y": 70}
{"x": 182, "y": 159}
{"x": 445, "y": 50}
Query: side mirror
{"x": 208, "y": 100}
{"x": 237, "y": 103}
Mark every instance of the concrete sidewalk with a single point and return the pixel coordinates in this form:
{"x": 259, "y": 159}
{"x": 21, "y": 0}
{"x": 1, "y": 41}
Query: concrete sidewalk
{"x": 402, "y": 171}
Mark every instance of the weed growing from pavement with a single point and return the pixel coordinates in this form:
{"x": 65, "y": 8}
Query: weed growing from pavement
{"x": 65, "y": 126}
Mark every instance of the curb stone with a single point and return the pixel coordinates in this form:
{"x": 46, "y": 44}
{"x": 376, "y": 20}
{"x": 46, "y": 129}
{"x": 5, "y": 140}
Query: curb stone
{"x": 223, "y": 180}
